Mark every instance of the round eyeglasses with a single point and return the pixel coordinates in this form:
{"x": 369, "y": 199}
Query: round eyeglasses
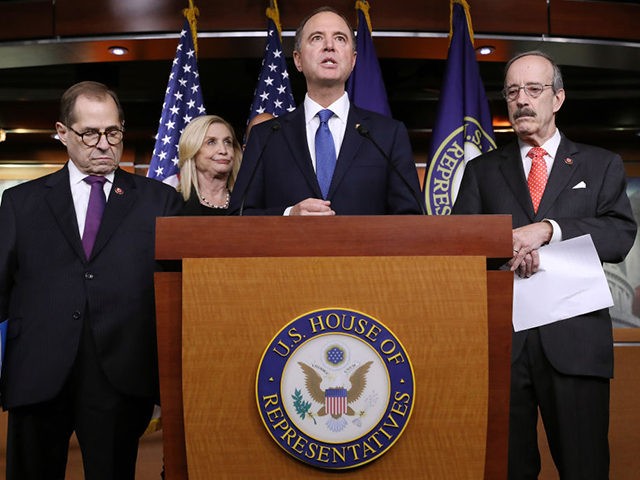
{"x": 533, "y": 90}
{"x": 91, "y": 138}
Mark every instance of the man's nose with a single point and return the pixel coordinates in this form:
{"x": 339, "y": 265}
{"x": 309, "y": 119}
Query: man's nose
{"x": 328, "y": 43}
{"x": 103, "y": 144}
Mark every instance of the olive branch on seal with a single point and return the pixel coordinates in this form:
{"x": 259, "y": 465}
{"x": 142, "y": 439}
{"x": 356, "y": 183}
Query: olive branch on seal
{"x": 302, "y": 407}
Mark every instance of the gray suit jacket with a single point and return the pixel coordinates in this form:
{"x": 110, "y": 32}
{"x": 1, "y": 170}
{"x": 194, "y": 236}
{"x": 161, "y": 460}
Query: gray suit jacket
{"x": 494, "y": 183}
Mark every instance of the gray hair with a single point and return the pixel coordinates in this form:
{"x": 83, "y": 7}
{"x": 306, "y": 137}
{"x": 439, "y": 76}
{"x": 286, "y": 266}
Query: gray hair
{"x": 556, "y": 82}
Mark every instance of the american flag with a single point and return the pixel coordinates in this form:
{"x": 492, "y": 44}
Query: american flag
{"x": 182, "y": 103}
{"x": 273, "y": 92}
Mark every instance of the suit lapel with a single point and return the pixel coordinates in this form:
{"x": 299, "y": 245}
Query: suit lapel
{"x": 122, "y": 198}
{"x": 350, "y": 146}
{"x": 561, "y": 174}
{"x": 295, "y": 134}
{"x": 511, "y": 167}
{"x": 60, "y": 202}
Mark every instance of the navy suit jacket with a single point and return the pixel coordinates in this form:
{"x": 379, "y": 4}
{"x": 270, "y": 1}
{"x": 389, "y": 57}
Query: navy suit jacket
{"x": 495, "y": 183}
{"x": 277, "y": 171}
{"x": 48, "y": 287}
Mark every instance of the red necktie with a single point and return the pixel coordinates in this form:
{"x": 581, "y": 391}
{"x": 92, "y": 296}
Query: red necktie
{"x": 537, "y": 175}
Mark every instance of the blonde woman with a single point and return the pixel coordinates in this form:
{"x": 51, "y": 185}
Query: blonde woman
{"x": 209, "y": 160}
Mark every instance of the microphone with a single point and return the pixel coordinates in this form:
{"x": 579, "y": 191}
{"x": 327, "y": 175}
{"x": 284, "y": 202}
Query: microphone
{"x": 364, "y": 131}
{"x": 275, "y": 126}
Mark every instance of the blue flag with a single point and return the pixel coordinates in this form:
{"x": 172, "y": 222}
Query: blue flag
{"x": 273, "y": 92}
{"x": 182, "y": 103}
{"x": 365, "y": 85}
{"x": 463, "y": 128}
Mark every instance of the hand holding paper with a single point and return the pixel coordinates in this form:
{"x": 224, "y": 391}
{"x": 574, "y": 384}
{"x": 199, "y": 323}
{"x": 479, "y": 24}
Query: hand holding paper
{"x": 570, "y": 281}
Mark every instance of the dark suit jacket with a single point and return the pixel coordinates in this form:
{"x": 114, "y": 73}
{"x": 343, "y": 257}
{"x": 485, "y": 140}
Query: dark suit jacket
{"x": 494, "y": 183}
{"x": 48, "y": 287}
{"x": 363, "y": 182}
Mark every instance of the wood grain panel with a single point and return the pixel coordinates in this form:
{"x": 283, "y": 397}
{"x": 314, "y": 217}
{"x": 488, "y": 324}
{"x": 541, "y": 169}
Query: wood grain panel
{"x": 192, "y": 237}
{"x": 36, "y": 19}
{"x": 436, "y": 306}
{"x": 500, "y": 292}
{"x": 26, "y": 20}
{"x": 350, "y": 236}
{"x": 115, "y": 16}
{"x": 626, "y": 335}
{"x": 581, "y": 18}
{"x": 168, "y": 287}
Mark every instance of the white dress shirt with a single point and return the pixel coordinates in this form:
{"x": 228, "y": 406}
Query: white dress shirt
{"x": 337, "y": 123}
{"x": 80, "y": 191}
{"x": 551, "y": 147}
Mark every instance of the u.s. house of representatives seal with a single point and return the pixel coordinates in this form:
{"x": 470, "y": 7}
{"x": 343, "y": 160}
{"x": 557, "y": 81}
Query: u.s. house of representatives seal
{"x": 335, "y": 388}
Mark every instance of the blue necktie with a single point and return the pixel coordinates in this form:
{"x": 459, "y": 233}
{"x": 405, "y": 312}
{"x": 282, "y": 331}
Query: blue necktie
{"x": 325, "y": 152}
{"x": 95, "y": 209}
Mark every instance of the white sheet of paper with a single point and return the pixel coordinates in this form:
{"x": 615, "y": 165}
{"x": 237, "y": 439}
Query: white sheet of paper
{"x": 570, "y": 282}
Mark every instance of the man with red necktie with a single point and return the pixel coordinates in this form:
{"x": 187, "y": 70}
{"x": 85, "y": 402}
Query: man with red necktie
{"x": 555, "y": 190}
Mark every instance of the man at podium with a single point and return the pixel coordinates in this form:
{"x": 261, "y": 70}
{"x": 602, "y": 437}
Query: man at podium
{"x": 328, "y": 156}
{"x": 555, "y": 190}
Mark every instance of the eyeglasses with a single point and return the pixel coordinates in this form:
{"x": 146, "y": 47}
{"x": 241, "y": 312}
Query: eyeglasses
{"x": 533, "y": 90}
{"x": 91, "y": 138}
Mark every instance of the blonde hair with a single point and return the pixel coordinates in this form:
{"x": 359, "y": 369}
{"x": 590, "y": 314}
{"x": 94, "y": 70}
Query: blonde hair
{"x": 190, "y": 143}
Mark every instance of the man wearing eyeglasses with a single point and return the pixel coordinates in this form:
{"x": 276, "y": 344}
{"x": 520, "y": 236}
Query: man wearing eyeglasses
{"x": 555, "y": 190}
{"x": 76, "y": 285}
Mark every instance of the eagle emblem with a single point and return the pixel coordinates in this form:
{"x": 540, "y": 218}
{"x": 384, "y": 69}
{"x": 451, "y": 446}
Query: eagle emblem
{"x": 335, "y": 400}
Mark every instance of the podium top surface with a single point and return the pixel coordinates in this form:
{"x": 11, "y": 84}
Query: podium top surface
{"x": 401, "y": 235}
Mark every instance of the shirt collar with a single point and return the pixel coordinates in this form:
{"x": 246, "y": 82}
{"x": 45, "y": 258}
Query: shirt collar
{"x": 550, "y": 146}
{"x": 340, "y": 108}
{"x": 76, "y": 176}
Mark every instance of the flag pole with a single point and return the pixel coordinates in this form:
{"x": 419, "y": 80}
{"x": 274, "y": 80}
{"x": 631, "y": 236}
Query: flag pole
{"x": 363, "y": 6}
{"x": 467, "y": 14}
{"x": 191, "y": 14}
{"x": 273, "y": 13}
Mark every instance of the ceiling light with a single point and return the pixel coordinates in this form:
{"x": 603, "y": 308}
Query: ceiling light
{"x": 486, "y": 49}
{"x": 119, "y": 51}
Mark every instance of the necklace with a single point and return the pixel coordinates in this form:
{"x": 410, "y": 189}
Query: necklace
{"x": 211, "y": 205}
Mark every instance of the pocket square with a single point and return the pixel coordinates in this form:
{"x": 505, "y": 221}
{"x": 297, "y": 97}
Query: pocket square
{"x": 579, "y": 185}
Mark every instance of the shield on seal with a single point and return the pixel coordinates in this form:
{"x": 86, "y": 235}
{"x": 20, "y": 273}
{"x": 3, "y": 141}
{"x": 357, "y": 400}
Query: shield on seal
{"x": 335, "y": 401}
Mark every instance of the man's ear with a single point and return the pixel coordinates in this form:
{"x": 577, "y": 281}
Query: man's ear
{"x": 296, "y": 60}
{"x": 558, "y": 100}
{"x": 62, "y": 131}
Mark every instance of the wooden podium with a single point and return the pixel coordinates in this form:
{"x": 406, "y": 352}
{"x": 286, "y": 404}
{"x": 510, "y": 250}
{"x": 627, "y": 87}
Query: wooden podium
{"x": 243, "y": 278}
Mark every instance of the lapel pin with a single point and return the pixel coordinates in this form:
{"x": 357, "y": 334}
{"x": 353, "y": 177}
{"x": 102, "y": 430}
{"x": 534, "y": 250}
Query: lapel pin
{"x": 568, "y": 161}
{"x": 119, "y": 191}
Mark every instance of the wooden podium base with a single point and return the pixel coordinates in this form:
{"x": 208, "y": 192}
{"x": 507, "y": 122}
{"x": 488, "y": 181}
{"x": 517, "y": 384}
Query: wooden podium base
{"x": 425, "y": 278}
{"x": 436, "y": 306}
